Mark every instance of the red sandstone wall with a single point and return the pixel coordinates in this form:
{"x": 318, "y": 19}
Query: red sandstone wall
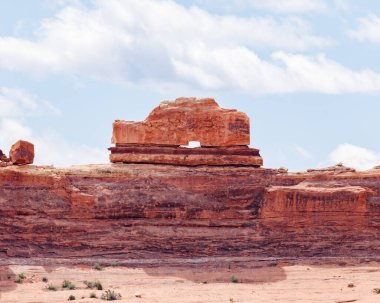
{"x": 133, "y": 211}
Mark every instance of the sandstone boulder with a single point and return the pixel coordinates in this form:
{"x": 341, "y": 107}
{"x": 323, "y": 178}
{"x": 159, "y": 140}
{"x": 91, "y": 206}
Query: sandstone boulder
{"x": 183, "y": 120}
{"x": 22, "y": 152}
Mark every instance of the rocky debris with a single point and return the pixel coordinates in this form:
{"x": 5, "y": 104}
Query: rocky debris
{"x": 183, "y": 120}
{"x": 22, "y": 152}
{"x": 150, "y": 211}
{"x": 338, "y": 168}
{"x": 3, "y": 157}
{"x": 4, "y": 160}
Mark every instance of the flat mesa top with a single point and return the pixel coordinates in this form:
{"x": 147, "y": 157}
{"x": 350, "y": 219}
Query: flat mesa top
{"x": 183, "y": 120}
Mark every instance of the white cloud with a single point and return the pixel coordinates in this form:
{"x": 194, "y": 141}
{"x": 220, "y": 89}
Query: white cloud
{"x": 50, "y": 148}
{"x": 320, "y": 74}
{"x": 277, "y": 6}
{"x": 161, "y": 43}
{"x": 239, "y": 68}
{"x": 290, "y": 6}
{"x": 355, "y": 156}
{"x": 368, "y": 30}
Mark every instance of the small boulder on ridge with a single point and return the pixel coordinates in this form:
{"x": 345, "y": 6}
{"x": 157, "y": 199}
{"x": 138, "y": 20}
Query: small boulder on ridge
{"x": 22, "y": 152}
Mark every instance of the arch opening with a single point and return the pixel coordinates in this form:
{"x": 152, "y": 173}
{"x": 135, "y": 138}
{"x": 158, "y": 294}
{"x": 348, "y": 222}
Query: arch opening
{"x": 192, "y": 144}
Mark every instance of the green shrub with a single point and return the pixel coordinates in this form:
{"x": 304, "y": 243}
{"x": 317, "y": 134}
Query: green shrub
{"x": 52, "y": 287}
{"x": 67, "y": 284}
{"x": 110, "y": 295}
{"x": 95, "y": 284}
{"x": 93, "y": 295}
{"x": 19, "y": 278}
{"x": 44, "y": 279}
{"x": 234, "y": 279}
{"x": 97, "y": 266}
{"x": 98, "y": 285}
{"x": 71, "y": 298}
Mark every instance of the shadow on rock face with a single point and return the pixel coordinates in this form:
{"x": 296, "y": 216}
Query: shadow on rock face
{"x": 222, "y": 272}
{"x": 7, "y": 278}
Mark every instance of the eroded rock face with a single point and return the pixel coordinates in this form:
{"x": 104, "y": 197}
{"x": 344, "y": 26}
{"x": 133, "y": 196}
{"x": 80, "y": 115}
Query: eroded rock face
{"x": 22, "y": 152}
{"x": 183, "y": 120}
{"x": 160, "y": 139}
{"x": 144, "y": 211}
{"x": 4, "y": 160}
{"x": 212, "y": 156}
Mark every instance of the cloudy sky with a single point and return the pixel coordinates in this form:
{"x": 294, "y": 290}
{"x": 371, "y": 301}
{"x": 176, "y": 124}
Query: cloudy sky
{"x": 307, "y": 72}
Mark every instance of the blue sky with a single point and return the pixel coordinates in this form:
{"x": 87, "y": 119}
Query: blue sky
{"x": 306, "y": 72}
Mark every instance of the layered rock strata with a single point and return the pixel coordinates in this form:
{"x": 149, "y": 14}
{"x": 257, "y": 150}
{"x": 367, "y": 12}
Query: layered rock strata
{"x": 224, "y": 136}
{"x": 155, "y": 211}
{"x": 239, "y": 155}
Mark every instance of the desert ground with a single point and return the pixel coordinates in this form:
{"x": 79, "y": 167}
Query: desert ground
{"x": 196, "y": 282}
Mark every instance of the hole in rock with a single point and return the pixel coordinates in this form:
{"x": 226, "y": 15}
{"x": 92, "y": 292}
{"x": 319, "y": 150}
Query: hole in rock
{"x": 192, "y": 144}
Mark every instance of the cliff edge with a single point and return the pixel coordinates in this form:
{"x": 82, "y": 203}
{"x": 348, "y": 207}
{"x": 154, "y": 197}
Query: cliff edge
{"x": 145, "y": 210}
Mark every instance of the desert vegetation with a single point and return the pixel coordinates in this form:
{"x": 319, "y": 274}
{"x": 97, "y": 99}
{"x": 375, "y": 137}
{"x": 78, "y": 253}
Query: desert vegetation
{"x": 66, "y": 284}
{"x": 93, "y": 285}
{"x": 110, "y": 295}
{"x": 20, "y": 278}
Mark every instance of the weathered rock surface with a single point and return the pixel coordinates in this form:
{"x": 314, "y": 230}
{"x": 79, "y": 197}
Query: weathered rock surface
{"x": 22, "y": 152}
{"x": 183, "y": 120}
{"x": 235, "y": 155}
{"x": 160, "y": 139}
{"x": 4, "y": 160}
{"x": 152, "y": 211}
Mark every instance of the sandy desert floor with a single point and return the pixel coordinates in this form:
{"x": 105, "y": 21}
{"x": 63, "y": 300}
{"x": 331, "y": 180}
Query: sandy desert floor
{"x": 205, "y": 282}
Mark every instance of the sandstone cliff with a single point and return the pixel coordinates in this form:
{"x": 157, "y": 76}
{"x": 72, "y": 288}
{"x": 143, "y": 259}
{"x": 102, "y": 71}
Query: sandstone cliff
{"x": 142, "y": 210}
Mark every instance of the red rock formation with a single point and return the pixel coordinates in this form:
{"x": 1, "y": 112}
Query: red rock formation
{"x": 239, "y": 155}
{"x": 153, "y": 211}
{"x": 223, "y": 135}
{"x": 22, "y": 152}
{"x": 183, "y": 120}
{"x": 4, "y": 160}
